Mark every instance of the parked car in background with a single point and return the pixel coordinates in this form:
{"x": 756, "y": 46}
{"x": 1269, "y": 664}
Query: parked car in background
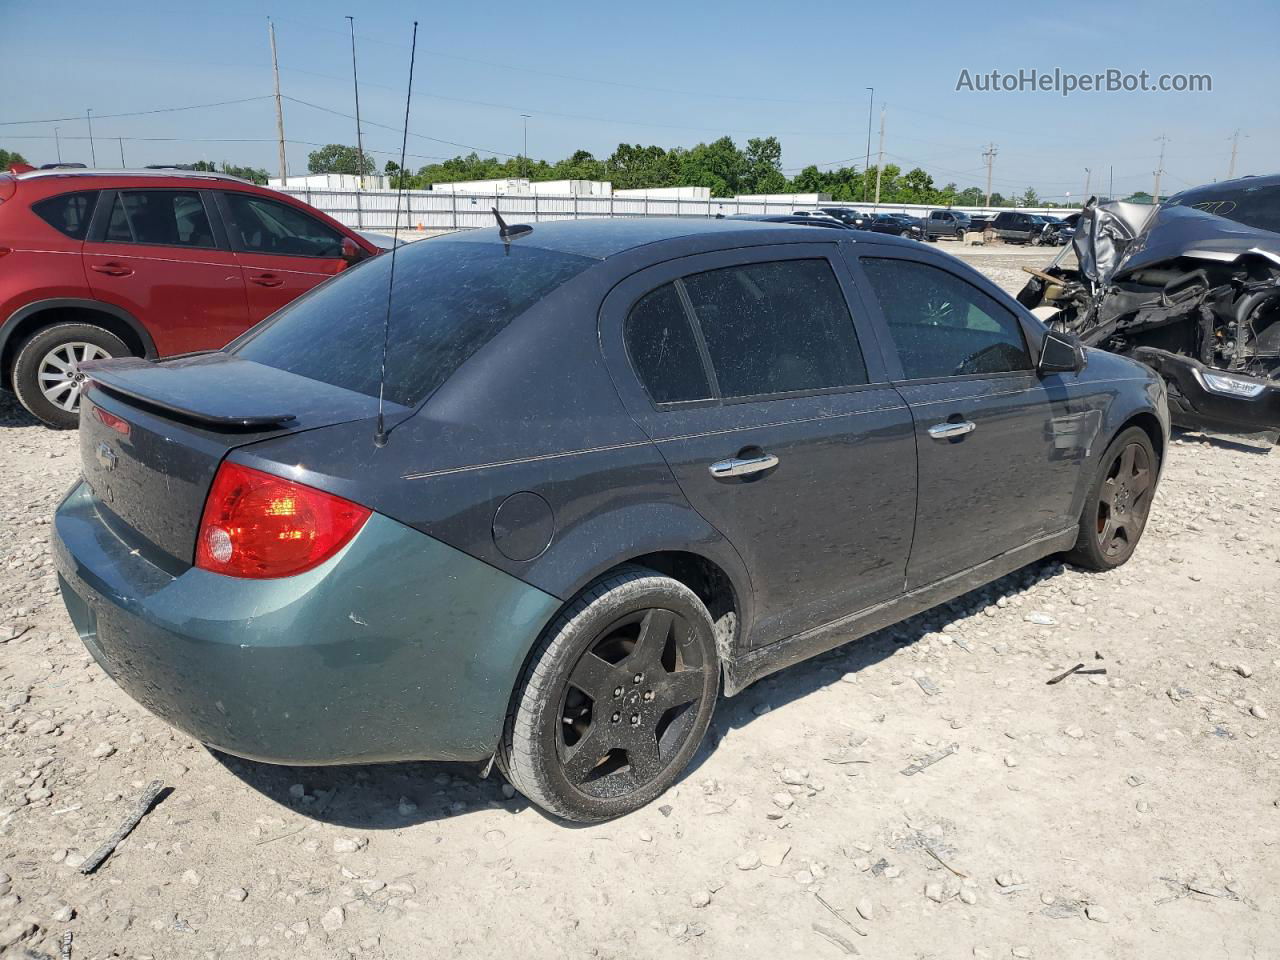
{"x": 949, "y": 224}
{"x": 803, "y": 219}
{"x": 1015, "y": 227}
{"x": 848, "y": 215}
{"x": 898, "y": 225}
{"x": 144, "y": 263}
{"x": 1056, "y": 231}
{"x": 978, "y": 222}
{"x": 623, "y": 463}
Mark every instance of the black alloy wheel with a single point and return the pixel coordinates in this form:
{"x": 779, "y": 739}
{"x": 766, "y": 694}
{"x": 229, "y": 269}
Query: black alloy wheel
{"x": 616, "y": 699}
{"x": 1119, "y": 502}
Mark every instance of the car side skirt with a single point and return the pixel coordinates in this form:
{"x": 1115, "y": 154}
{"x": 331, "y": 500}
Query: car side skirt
{"x": 742, "y": 671}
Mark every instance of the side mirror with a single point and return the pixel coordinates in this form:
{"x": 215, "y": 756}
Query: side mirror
{"x": 1061, "y": 353}
{"x": 351, "y": 251}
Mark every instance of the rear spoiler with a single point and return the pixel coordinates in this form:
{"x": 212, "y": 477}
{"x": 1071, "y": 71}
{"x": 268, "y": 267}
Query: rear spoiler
{"x": 113, "y": 378}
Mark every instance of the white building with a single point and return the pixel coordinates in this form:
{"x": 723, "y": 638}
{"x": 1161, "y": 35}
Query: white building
{"x": 521, "y": 187}
{"x": 331, "y": 181}
{"x": 667, "y": 193}
{"x": 798, "y": 199}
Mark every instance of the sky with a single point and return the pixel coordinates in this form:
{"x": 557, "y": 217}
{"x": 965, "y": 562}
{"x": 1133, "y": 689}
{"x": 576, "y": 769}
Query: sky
{"x": 593, "y": 76}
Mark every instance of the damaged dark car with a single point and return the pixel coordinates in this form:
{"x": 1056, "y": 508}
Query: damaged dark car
{"x": 1191, "y": 288}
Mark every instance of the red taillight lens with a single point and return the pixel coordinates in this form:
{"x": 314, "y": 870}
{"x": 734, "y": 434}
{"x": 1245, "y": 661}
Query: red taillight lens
{"x": 111, "y": 420}
{"x": 259, "y": 525}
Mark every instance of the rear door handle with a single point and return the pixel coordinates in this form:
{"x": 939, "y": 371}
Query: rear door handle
{"x": 743, "y": 466}
{"x": 267, "y": 280}
{"x": 950, "y": 430}
{"x": 112, "y": 269}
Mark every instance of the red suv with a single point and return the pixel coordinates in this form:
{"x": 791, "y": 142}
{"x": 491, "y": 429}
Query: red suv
{"x": 149, "y": 263}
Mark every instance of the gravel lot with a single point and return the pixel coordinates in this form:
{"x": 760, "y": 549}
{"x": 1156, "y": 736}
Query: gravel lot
{"x": 1126, "y": 814}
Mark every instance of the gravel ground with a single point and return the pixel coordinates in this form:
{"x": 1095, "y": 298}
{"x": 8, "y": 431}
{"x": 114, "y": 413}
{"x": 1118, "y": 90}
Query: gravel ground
{"x": 1131, "y": 813}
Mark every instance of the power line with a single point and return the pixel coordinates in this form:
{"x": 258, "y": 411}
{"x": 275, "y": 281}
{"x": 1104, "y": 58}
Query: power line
{"x": 136, "y": 113}
{"x": 385, "y": 126}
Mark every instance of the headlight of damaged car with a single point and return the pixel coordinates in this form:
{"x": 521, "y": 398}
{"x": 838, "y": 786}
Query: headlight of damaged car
{"x": 1232, "y": 386}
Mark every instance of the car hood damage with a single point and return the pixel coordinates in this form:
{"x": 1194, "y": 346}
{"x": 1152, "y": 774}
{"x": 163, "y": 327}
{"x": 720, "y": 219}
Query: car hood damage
{"x": 1192, "y": 288}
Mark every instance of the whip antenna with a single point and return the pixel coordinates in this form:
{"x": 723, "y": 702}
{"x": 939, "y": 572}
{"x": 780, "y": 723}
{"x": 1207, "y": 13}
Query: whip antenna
{"x": 380, "y": 433}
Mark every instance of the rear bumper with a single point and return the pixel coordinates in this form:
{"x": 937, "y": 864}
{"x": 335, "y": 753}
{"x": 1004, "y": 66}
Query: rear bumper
{"x": 1193, "y": 403}
{"x": 397, "y": 648}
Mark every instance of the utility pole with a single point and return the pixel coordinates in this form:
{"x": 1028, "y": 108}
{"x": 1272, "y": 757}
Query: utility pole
{"x": 120, "y": 141}
{"x": 524, "y": 163}
{"x": 989, "y": 157}
{"x": 1088, "y": 175}
{"x": 57, "y": 143}
{"x": 275, "y": 69}
{"x": 93, "y": 154}
{"x": 867, "y": 166}
{"x": 1159, "y": 168}
{"x": 355, "y": 80}
{"x": 880, "y": 157}
{"x": 1235, "y": 145}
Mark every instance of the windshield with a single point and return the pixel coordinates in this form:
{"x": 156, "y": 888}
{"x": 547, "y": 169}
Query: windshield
{"x": 450, "y": 299}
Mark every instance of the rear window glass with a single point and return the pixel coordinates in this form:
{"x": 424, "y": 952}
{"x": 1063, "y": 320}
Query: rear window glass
{"x": 1255, "y": 206}
{"x": 68, "y": 213}
{"x": 450, "y": 299}
{"x": 663, "y": 349}
{"x": 164, "y": 218}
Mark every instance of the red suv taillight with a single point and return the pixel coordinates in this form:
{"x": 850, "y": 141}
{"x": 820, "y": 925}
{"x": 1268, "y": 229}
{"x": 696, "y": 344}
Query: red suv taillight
{"x": 259, "y": 525}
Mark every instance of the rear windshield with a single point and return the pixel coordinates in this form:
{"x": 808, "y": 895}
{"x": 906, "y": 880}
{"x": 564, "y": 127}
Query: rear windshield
{"x": 450, "y": 299}
{"x": 1255, "y": 206}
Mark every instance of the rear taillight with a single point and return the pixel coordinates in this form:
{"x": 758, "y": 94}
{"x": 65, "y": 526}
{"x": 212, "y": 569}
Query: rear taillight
{"x": 260, "y": 526}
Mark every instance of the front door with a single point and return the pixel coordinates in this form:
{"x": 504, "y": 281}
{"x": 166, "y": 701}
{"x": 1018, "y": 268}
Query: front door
{"x": 776, "y": 419}
{"x": 993, "y": 472}
{"x": 155, "y": 254}
{"x": 282, "y": 251}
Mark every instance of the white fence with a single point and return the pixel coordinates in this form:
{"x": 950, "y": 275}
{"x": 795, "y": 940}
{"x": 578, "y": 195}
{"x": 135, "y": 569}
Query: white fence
{"x": 427, "y": 213}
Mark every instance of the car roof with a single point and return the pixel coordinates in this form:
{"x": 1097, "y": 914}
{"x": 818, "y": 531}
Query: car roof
{"x": 606, "y": 237}
{"x": 149, "y": 174}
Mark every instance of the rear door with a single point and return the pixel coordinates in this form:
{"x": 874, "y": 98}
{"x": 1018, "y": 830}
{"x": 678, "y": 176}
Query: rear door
{"x": 773, "y": 411}
{"x": 159, "y": 255}
{"x": 282, "y": 251}
{"x": 993, "y": 474}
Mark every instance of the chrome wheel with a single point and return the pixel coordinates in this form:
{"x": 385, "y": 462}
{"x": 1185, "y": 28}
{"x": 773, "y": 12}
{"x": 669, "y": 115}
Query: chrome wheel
{"x": 631, "y": 702}
{"x": 59, "y": 374}
{"x": 1124, "y": 501}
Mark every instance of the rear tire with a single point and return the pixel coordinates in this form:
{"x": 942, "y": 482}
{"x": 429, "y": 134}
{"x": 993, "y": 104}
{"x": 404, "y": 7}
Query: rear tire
{"x": 615, "y": 700}
{"x": 45, "y": 375}
{"x": 1118, "y": 503}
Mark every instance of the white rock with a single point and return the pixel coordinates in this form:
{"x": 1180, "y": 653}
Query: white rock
{"x": 865, "y": 909}
{"x": 1097, "y": 913}
{"x": 748, "y": 861}
{"x": 333, "y": 920}
{"x": 349, "y": 844}
{"x": 62, "y": 914}
{"x": 1244, "y": 670}
{"x": 700, "y": 898}
{"x": 192, "y": 878}
{"x": 783, "y": 801}
{"x": 102, "y": 751}
{"x": 297, "y": 791}
{"x": 1259, "y": 711}
{"x": 238, "y": 894}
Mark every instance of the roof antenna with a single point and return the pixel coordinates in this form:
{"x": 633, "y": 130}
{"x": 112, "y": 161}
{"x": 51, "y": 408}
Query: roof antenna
{"x": 509, "y": 233}
{"x": 380, "y": 433}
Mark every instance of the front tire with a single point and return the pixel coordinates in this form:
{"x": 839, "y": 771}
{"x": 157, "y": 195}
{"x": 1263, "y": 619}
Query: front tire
{"x": 1118, "y": 504}
{"x": 615, "y": 699}
{"x": 46, "y": 376}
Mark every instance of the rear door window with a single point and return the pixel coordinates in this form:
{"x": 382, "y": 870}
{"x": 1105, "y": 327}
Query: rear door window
{"x": 944, "y": 326}
{"x": 663, "y": 349}
{"x": 777, "y": 327}
{"x": 259, "y": 225}
{"x": 68, "y": 213}
{"x": 160, "y": 218}
{"x": 451, "y": 297}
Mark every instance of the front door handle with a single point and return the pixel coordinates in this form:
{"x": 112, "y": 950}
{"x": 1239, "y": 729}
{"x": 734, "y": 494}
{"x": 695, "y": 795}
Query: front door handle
{"x": 267, "y": 280}
{"x": 743, "y": 466}
{"x": 950, "y": 430}
{"x": 112, "y": 269}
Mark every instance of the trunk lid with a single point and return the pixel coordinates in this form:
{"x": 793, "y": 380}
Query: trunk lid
{"x": 152, "y": 435}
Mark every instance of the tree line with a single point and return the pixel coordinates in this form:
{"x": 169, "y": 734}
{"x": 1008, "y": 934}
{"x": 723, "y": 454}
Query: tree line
{"x": 722, "y": 166}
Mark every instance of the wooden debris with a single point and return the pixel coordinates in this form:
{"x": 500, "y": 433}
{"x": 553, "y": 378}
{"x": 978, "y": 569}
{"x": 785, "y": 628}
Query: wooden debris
{"x": 140, "y": 809}
{"x": 930, "y": 759}
{"x": 839, "y": 939}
